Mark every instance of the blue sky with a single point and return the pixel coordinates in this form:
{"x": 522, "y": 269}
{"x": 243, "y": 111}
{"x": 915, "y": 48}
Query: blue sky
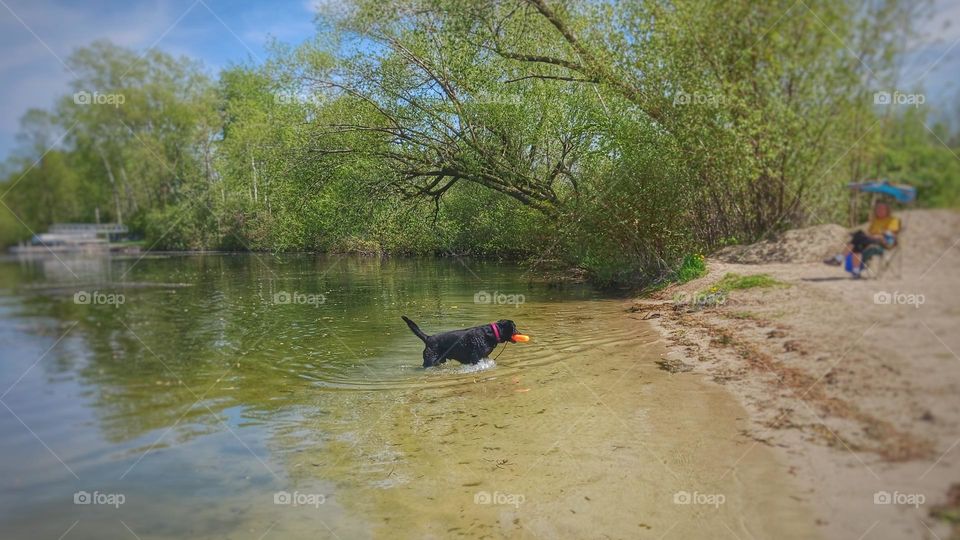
{"x": 35, "y": 35}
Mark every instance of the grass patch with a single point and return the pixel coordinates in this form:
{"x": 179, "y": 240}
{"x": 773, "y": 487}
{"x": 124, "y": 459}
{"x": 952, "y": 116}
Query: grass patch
{"x": 692, "y": 267}
{"x": 733, "y": 282}
{"x": 950, "y": 515}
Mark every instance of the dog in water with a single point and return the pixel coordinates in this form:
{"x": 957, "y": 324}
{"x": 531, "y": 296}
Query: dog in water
{"x": 467, "y": 346}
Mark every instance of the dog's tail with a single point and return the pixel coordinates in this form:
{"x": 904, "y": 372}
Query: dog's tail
{"x": 414, "y": 328}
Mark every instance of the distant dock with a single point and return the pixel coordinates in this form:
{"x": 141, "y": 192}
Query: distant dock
{"x": 79, "y": 238}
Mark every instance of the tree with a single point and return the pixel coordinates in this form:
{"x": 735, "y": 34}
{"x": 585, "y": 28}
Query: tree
{"x": 137, "y": 121}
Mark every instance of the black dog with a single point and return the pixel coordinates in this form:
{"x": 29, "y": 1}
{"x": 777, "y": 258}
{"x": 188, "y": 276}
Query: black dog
{"x": 466, "y": 346}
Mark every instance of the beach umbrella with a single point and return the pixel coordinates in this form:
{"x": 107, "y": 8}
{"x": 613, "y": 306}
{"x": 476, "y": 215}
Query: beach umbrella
{"x": 900, "y": 192}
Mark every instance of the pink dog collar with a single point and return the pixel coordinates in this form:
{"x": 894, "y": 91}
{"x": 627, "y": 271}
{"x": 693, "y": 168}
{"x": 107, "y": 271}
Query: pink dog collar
{"x": 496, "y": 331}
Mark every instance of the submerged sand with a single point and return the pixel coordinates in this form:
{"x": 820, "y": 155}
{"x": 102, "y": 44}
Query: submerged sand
{"x": 593, "y": 442}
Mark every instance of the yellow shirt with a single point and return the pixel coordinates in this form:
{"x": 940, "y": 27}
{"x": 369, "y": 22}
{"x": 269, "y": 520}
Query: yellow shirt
{"x": 879, "y": 226}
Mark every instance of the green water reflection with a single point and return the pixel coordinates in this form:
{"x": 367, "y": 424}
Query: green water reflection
{"x": 189, "y": 380}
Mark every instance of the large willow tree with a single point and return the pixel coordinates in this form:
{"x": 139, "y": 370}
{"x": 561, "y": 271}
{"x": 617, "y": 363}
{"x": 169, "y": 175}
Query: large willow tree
{"x": 639, "y": 127}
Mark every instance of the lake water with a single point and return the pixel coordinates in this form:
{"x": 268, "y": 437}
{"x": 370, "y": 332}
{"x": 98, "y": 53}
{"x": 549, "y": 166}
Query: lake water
{"x": 255, "y": 396}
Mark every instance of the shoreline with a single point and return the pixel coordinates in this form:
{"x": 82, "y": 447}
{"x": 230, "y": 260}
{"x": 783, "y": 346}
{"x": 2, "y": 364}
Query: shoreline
{"x": 851, "y": 388}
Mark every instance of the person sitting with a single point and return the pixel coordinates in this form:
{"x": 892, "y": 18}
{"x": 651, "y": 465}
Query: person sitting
{"x": 881, "y": 234}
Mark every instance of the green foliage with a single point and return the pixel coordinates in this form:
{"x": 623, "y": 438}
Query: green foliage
{"x": 919, "y": 154}
{"x": 11, "y": 231}
{"x": 692, "y": 267}
{"x": 616, "y": 138}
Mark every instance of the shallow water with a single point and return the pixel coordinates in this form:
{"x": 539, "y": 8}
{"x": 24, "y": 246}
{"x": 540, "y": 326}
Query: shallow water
{"x": 252, "y": 396}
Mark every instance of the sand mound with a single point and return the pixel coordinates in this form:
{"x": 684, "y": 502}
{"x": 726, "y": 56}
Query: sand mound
{"x": 810, "y": 244}
{"x": 926, "y": 233}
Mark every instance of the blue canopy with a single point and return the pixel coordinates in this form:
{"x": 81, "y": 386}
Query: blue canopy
{"x": 901, "y": 193}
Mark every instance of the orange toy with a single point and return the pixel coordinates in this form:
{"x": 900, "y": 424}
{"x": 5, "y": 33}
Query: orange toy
{"x": 520, "y": 338}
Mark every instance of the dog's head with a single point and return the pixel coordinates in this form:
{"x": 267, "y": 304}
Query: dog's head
{"x": 507, "y": 329}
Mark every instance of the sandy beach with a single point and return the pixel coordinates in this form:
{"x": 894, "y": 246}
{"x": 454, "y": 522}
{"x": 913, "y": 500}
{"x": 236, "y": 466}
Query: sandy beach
{"x": 853, "y": 383}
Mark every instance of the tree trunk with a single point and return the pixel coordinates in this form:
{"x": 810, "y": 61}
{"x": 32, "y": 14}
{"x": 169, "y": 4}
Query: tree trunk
{"x": 131, "y": 200}
{"x": 253, "y": 165}
{"x": 113, "y": 186}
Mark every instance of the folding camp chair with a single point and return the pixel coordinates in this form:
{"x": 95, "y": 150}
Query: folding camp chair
{"x": 879, "y": 260}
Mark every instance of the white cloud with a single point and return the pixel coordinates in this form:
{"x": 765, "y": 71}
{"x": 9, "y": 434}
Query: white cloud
{"x": 36, "y": 38}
